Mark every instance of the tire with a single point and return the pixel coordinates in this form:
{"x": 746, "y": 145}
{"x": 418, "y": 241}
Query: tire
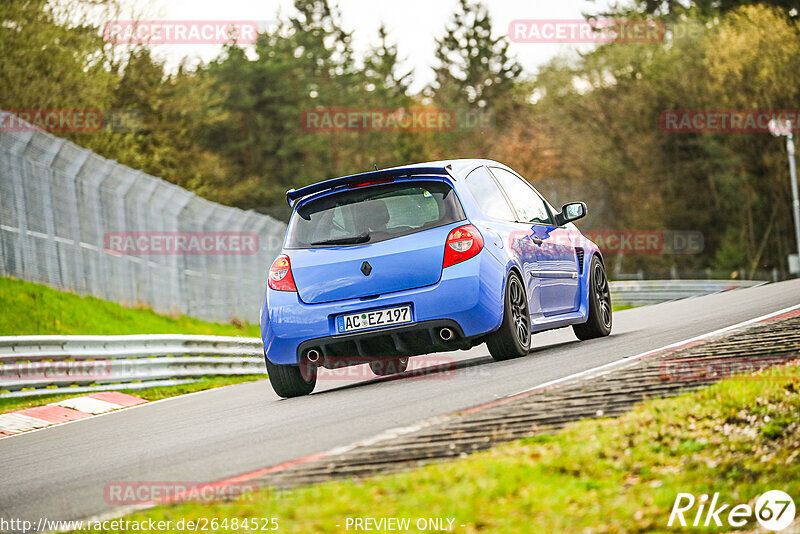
{"x": 288, "y": 380}
{"x": 513, "y": 338}
{"x": 599, "y": 322}
{"x": 389, "y": 366}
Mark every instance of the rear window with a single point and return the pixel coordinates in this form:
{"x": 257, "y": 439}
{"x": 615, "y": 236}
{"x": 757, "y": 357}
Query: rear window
{"x": 373, "y": 214}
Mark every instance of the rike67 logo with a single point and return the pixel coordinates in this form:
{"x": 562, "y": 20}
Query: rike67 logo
{"x": 774, "y": 510}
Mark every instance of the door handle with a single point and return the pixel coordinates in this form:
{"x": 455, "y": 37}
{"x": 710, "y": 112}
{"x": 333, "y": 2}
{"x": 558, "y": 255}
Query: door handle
{"x": 537, "y": 240}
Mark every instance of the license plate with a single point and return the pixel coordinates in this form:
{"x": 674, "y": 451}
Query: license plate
{"x": 371, "y": 319}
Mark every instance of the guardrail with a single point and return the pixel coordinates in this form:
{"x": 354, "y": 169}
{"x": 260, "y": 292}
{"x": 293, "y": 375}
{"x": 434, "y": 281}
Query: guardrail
{"x": 39, "y": 365}
{"x": 642, "y": 292}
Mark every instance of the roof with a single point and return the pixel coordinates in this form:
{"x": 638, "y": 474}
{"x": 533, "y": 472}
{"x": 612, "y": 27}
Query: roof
{"x": 453, "y": 168}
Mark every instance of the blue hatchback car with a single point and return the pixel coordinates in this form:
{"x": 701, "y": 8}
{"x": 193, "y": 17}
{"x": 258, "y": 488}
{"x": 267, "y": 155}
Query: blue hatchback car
{"x": 380, "y": 266}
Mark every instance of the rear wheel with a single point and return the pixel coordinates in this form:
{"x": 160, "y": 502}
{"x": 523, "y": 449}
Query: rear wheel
{"x": 513, "y": 338}
{"x": 599, "y": 323}
{"x": 389, "y": 366}
{"x": 291, "y": 380}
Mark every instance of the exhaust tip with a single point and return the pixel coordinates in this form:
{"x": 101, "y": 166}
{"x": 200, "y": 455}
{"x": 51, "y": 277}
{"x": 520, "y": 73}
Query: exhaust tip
{"x": 313, "y": 355}
{"x": 446, "y": 334}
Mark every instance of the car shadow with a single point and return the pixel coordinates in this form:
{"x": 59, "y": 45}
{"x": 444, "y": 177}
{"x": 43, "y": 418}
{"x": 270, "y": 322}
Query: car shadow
{"x": 433, "y": 372}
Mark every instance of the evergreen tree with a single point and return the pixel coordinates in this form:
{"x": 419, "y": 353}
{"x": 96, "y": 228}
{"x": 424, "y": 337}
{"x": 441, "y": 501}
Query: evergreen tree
{"x": 47, "y": 63}
{"x": 474, "y": 68}
{"x": 671, "y": 9}
{"x": 381, "y": 69}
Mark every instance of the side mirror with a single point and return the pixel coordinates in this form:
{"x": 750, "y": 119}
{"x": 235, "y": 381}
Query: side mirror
{"x": 571, "y": 212}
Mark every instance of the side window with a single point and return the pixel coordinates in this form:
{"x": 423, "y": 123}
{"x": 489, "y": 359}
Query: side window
{"x": 530, "y": 206}
{"x": 488, "y": 196}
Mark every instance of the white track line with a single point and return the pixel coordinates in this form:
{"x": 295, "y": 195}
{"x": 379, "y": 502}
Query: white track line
{"x": 626, "y": 359}
{"x": 403, "y": 430}
{"x": 94, "y": 417}
{"x": 399, "y": 431}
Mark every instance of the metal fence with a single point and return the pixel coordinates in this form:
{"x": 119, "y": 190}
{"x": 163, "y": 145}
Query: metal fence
{"x": 644, "y": 292}
{"x": 59, "y": 203}
{"x": 43, "y": 365}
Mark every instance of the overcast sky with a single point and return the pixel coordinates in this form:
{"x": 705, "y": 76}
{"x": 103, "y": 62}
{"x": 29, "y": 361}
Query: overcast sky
{"x": 412, "y": 24}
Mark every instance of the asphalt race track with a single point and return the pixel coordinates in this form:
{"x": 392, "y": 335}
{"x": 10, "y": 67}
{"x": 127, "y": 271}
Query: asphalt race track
{"x": 61, "y": 472}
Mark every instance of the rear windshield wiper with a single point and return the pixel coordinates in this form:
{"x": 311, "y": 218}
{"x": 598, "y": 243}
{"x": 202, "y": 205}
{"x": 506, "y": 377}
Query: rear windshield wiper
{"x": 352, "y": 240}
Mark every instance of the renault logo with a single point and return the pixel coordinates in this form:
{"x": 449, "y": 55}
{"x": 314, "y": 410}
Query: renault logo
{"x": 366, "y": 268}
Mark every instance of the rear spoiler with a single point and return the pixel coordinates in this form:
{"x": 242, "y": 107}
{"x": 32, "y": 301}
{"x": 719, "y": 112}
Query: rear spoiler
{"x": 293, "y": 195}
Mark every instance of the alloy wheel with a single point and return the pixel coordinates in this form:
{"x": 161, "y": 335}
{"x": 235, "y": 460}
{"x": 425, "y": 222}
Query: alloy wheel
{"x": 519, "y": 311}
{"x": 602, "y": 294}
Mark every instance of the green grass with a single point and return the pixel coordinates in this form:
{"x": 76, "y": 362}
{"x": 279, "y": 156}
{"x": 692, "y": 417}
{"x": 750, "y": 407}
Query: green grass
{"x": 35, "y": 309}
{"x": 739, "y": 438}
{"x": 151, "y": 394}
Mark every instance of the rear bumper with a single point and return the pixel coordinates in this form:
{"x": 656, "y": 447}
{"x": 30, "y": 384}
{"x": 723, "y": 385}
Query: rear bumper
{"x": 404, "y": 340}
{"x": 466, "y": 295}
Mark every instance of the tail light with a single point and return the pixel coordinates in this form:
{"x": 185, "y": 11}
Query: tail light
{"x": 280, "y": 275}
{"x": 462, "y": 244}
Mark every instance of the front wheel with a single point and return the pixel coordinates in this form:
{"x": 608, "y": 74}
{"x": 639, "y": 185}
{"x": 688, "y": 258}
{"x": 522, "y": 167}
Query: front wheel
{"x": 513, "y": 338}
{"x": 290, "y": 380}
{"x": 599, "y": 322}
